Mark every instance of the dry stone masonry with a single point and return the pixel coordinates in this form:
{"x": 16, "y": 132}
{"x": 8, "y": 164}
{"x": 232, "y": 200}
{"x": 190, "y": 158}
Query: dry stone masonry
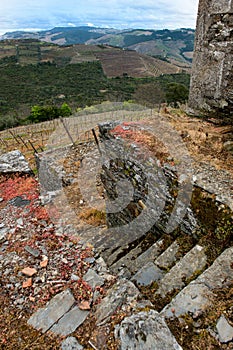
{"x": 211, "y": 90}
{"x": 153, "y": 279}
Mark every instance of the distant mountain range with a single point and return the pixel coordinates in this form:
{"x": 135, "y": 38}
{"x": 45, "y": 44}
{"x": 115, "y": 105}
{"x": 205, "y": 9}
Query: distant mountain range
{"x": 174, "y": 46}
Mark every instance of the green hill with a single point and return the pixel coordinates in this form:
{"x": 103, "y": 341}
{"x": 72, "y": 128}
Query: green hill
{"x": 36, "y": 73}
{"x": 167, "y": 44}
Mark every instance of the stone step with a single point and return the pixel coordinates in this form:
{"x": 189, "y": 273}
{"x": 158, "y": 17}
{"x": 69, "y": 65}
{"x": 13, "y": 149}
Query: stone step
{"x": 199, "y": 294}
{"x": 148, "y": 274}
{"x": 148, "y": 256}
{"x": 153, "y": 271}
{"x": 136, "y": 258}
{"x": 193, "y": 262}
{"x": 168, "y": 258}
{"x": 91, "y": 234}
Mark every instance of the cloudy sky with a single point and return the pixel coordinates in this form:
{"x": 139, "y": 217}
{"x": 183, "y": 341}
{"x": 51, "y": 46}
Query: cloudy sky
{"x": 46, "y": 14}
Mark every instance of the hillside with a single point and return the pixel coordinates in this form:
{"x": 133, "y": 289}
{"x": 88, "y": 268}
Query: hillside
{"x": 115, "y": 61}
{"x": 39, "y": 73}
{"x": 166, "y": 44}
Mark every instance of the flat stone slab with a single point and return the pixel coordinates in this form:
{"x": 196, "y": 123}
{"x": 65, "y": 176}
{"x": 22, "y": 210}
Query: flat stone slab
{"x": 32, "y": 251}
{"x": 192, "y": 299}
{"x": 46, "y": 317}
{"x": 219, "y": 272}
{"x": 224, "y": 329}
{"x": 127, "y": 260}
{"x": 70, "y": 321}
{"x": 93, "y": 279}
{"x": 14, "y": 161}
{"x": 71, "y": 343}
{"x": 19, "y": 201}
{"x": 148, "y": 274}
{"x": 193, "y": 261}
{"x": 135, "y": 264}
{"x": 167, "y": 258}
{"x": 148, "y": 256}
{"x": 145, "y": 331}
{"x": 197, "y": 296}
{"x": 123, "y": 292}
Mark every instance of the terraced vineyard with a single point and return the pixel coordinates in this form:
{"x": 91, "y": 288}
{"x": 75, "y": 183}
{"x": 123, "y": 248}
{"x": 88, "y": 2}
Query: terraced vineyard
{"x": 37, "y": 137}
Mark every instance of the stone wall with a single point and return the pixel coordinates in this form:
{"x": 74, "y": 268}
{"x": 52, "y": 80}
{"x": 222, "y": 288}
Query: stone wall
{"x": 211, "y": 90}
{"x": 148, "y": 192}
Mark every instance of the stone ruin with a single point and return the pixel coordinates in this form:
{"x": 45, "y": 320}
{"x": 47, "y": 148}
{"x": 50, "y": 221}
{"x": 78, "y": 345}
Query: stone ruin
{"x": 211, "y": 89}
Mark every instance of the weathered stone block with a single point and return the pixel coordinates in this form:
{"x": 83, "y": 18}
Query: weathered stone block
{"x": 123, "y": 292}
{"x": 146, "y": 330}
{"x": 168, "y": 257}
{"x": 148, "y": 274}
{"x": 198, "y": 295}
{"x": 194, "y": 261}
{"x": 93, "y": 279}
{"x": 225, "y": 330}
{"x": 71, "y": 343}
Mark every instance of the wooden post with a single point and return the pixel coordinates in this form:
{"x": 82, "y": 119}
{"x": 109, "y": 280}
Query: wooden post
{"x": 67, "y": 131}
{"x": 33, "y": 146}
{"x": 96, "y": 141}
{"x": 22, "y": 141}
{"x": 14, "y": 136}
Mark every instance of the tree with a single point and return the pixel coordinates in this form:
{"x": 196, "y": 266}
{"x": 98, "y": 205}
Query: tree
{"x": 65, "y": 110}
{"x": 150, "y": 95}
{"x": 176, "y": 93}
{"x": 8, "y": 121}
{"x": 43, "y": 113}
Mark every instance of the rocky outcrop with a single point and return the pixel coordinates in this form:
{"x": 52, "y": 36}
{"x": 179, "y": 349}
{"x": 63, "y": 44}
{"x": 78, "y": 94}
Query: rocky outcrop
{"x": 211, "y": 90}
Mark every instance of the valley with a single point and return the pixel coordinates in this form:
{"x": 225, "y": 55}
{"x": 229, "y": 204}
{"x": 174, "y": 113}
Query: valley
{"x": 166, "y": 44}
{"x": 35, "y": 73}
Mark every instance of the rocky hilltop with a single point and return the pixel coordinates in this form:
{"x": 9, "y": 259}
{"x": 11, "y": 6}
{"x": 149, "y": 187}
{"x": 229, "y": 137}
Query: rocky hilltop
{"x": 74, "y": 277}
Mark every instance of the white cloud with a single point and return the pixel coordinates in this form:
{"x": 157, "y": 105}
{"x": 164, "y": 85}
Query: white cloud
{"x": 44, "y": 14}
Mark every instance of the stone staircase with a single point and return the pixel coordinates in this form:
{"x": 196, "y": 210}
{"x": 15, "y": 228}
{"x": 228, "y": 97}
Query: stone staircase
{"x": 173, "y": 285}
{"x": 172, "y": 275}
{"x": 197, "y": 296}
